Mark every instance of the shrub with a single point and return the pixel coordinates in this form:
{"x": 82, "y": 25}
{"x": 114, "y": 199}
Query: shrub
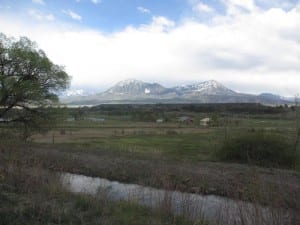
{"x": 171, "y": 132}
{"x": 258, "y": 148}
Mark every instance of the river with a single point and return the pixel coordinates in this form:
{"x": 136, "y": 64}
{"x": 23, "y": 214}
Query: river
{"x": 214, "y": 209}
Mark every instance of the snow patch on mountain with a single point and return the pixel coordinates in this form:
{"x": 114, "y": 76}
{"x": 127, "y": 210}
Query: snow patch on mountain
{"x": 129, "y": 82}
{"x": 210, "y": 87}
{"x": 134, "y": 88}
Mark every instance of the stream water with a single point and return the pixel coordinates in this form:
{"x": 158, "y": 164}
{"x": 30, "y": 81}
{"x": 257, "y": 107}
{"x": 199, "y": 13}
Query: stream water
{"x": 211, "y": 208}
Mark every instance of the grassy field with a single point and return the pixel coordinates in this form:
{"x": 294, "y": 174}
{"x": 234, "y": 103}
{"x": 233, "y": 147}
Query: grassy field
{"x": 173, "y": 140}
{"x": 177, "y": 144}
{"x": 125, "y": 147}
{"x": 170, "y": 155}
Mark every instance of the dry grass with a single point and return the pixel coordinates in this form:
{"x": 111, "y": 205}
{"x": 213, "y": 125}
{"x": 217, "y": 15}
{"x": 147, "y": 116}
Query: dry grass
{"x": 31, "y": 195}
{"x": 76, "y": 135}
{"x": 233, "y": 180}
{"x": 35, "y": 193}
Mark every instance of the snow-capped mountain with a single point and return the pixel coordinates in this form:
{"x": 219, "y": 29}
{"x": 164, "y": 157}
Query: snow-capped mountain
{"x": 210, "y": 87}
{"x": 134, "y": 88}
{"x": 135, "y": 91}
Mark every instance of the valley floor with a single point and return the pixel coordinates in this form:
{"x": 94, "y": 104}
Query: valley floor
{"x": 31, "y": 193}
{"x": 171, "y": 155}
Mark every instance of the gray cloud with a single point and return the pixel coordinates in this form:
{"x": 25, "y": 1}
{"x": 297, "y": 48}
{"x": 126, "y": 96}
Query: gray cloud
{"x": 254, "y": 51}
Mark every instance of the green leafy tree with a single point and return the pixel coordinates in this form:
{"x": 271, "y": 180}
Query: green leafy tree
{"x": 29, "y": 84}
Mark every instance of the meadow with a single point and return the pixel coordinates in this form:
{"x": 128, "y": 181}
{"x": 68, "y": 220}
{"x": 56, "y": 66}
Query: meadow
{"x": 130, "y": 146}
{"x": 169, "y": 139}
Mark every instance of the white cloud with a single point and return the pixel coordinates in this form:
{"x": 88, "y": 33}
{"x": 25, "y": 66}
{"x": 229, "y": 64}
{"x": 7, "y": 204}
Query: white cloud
{"x": 36, "y": 14}
{"x": 96, "y": 1}
{"x": 143, "y": 10}
{"x": 255, "y": 51}
{"x": 239, "y": 6}
{"x": 41, "y": 2}
{"x": 72, "y": 14}
{"x": 201, "y": 7}
{"x": 159, "y": 23}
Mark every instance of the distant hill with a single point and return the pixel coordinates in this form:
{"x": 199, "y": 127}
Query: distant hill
{"x": 139, "y": 92}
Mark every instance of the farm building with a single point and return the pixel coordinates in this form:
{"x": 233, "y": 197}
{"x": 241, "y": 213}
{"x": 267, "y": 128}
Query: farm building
{"x": 185, "y": 119}
{"x": 96, "y": 119}
{"x": 5, "y": 120}
{"x": 160, "y": 120}
{"x": 205, "y": 121}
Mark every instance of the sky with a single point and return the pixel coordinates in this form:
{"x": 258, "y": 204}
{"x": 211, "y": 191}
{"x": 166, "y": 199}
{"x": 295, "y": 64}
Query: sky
{"x": 251, "y": 46}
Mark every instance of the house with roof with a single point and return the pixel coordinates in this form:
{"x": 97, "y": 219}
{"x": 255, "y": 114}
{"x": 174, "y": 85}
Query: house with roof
{"x": 160, "y": 120}
{"x": 205, "y": 122}
{"x": 185, "y": 119}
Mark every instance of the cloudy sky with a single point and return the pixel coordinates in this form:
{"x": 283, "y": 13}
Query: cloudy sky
{"x": 250, "y": 46}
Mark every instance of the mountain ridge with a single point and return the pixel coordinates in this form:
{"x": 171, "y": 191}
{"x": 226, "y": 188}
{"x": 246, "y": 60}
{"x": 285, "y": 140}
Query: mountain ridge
{"x": 137, "y": 91}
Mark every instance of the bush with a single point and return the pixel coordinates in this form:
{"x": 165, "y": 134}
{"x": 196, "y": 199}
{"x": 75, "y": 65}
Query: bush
{"x": 171, "y": 132}
{"x": 258, "y": 148}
